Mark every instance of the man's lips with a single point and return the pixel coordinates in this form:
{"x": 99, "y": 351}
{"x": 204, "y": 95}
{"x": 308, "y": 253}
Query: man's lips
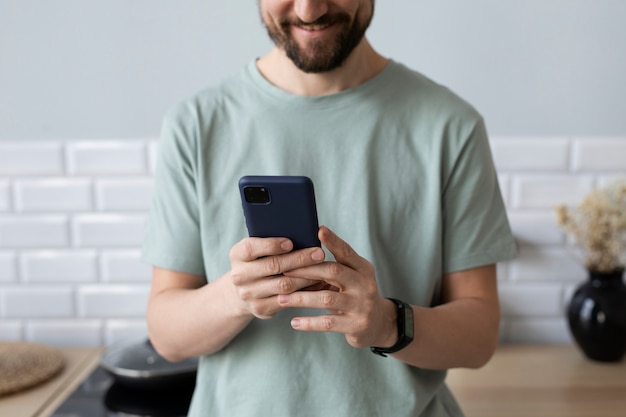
{"x": 314, "y": 27}
{"x": 313, "y": 31}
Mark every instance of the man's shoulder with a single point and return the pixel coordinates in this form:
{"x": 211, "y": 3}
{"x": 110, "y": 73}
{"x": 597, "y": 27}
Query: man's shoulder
{"x": 228, "y": 92}
{"x": 414, "y": 79}
{"x": 424, "y": 93}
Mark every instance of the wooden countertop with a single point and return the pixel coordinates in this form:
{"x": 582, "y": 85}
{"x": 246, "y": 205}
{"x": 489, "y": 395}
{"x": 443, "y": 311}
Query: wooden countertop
{"x": 542, "y": 381}
{"x": 43, "y": 399}
{"x": 519, "y": 381}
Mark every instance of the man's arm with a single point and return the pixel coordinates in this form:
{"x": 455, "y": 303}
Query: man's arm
{"x": 188, "y": 317}
{"x": 462, "y": 332}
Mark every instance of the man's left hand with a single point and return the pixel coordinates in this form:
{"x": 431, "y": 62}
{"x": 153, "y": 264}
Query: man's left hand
{"x": 356, "y": 307}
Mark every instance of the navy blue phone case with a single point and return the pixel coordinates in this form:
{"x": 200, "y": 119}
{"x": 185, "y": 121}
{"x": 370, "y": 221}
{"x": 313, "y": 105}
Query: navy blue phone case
{"x": 289, "y": 211}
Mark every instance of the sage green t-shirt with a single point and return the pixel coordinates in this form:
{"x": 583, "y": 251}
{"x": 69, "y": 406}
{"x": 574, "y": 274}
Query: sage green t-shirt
{"x": 402, "y": 171}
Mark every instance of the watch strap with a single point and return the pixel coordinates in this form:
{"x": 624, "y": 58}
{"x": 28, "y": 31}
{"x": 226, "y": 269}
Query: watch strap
{"x": 405, "y": 329}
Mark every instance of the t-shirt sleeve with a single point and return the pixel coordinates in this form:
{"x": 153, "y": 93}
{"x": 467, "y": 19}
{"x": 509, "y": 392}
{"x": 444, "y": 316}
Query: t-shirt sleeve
{"x": 476, "y": 228}
{"x": 172, "y": 239}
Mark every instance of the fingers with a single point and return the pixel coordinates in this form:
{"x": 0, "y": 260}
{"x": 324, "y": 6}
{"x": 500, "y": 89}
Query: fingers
{"x": 321, "y": 299}
{"x": 336, "y": 321}
{"x": 326, "y": 299}
{"x": 343, "y": 252}
{"x": 343, "y": 273}
{"x": 261, "y": 297}
{"x": 352, "y": 300}
{"x": 257, "y": 267}
{"x": 252, "y": 248}
{"x": 264, "y": 257}
{"x": 332, "y": 273}
{"x": 360, "y": 320}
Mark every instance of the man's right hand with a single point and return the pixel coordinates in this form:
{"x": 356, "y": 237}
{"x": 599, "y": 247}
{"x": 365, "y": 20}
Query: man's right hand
{"x": 257, "y": 267}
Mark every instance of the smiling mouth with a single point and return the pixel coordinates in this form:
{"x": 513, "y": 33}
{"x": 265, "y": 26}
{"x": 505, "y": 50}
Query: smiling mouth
{"x": 313, "y": 28}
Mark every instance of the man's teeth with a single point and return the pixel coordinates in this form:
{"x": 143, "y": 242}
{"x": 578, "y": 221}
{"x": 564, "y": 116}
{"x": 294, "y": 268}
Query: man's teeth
{"x": 314, "y": 27}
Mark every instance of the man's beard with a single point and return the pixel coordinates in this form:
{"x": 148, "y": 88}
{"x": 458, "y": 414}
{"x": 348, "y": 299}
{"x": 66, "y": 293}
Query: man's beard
{"x": 319, "y": 55}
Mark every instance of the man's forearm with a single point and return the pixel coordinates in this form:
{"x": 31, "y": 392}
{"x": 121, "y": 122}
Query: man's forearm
{"x": 187, "y": 322}
{"x": 462, "y": 333}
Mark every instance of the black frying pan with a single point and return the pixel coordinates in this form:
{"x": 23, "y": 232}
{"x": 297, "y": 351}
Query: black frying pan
{"x": 138, "y": 365}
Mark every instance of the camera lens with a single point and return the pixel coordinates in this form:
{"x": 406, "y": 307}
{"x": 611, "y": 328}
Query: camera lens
{"x": 256, "y": 195}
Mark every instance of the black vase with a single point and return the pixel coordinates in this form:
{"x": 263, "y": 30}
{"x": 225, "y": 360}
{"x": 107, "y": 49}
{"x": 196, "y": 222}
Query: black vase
{"x": 597, "y": 316}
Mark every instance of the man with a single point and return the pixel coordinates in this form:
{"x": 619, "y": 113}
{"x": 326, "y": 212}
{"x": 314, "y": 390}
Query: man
{"x": 404, "y": 181}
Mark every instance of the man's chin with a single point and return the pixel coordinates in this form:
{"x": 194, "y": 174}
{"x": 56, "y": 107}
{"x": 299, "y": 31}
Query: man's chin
{"x": 315, "y": 67}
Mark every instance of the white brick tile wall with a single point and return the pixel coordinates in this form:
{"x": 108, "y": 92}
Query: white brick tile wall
{"x": 107, "y": 157}
{"x": 32, "y": 158}
{"x": 72, "y": 217}
{"x": 547, "y": 264}
{"x": 30, "y": 231}
{"x": 60, "y": 333}
{"x": 118, "y": 331}
{"x": 53, "y": 195}
{"x": 546, "y": 191}
{"x": 599, "y": 155}
{"x": 153, "y": 152}
{"x": 604, "y": 180}
{"x": 124, "y": 194}
{"x": 124, "y": 266}
{"x": 504, "y": 182}
{"x": 529, "y": 154}
{"x": 536, "y": 330}
{"x": 112, "y": 301}
{"x": 529, "y": 300}
{"x": 8, "y": 267}
{"x": 11, "y": 330}
{"x": 52, "y": 266}
{"x": 5, "y": 196}
{"x": 502, "y": 271}
{"x": 568, "y": 293}
{"x": 38, "y": 302}
{"x": 536, "y": 227}
{"x": 108, "y": 230}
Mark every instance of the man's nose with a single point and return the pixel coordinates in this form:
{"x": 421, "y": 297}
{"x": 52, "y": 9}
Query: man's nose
{"x": 310, "y": 10}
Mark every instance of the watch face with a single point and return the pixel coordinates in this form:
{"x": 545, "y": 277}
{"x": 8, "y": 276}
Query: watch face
{"x": 409, "y": 328}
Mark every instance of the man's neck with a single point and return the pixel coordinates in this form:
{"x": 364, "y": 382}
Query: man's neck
{"x": 363, "y": 64}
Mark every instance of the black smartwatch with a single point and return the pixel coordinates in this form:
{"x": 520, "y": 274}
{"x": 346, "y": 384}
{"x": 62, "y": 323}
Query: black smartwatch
{"x": 405, "y": 329}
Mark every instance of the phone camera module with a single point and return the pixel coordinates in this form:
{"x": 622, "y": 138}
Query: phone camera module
{"x": 256, "y": 195}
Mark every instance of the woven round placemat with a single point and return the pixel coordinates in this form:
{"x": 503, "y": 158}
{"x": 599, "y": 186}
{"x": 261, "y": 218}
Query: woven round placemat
{"x": 24, "y": 365}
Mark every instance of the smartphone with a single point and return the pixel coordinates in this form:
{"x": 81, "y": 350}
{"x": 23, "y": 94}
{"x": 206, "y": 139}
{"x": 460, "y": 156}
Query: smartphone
{"x": 280, "y": 206}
